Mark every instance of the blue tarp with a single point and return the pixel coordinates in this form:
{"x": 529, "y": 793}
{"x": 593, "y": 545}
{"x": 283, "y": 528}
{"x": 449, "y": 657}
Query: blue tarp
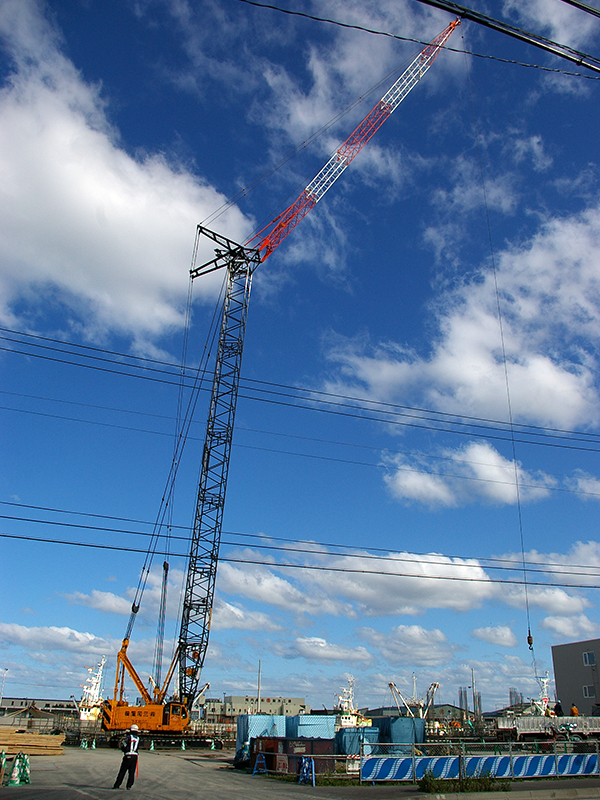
{"x": 310, "y": 726}
{"x": 400, "y": 731}
{"x": 250, "y": 726}
{"x": 349, "y": 740}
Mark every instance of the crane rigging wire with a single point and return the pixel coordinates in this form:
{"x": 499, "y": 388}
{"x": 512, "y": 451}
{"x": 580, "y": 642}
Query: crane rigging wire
{"x": 506, "y": 378}
{"x": 181, "y": 439}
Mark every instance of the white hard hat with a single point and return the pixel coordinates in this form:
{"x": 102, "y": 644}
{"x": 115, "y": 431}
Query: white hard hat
{"x": 134, "y": 727}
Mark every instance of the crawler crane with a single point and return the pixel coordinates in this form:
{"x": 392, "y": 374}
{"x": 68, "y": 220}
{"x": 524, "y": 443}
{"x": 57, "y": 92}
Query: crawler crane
{"x": 240, "y": 261}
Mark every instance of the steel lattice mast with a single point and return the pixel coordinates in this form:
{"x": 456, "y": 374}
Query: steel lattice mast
{"x": 240, "y": 262}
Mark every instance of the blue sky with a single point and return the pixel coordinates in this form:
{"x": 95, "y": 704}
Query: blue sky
{"x": 122, "y": 126}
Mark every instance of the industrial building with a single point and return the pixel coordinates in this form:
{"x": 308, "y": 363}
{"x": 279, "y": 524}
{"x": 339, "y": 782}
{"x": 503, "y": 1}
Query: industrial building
{"x": 576, "y": 675}
{"x": 9, "y": 705}
{"x": 213, "y": 710}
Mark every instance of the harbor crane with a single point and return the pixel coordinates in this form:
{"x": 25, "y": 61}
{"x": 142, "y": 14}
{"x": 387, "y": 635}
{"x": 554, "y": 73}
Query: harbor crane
{"x": 240, "y": 262}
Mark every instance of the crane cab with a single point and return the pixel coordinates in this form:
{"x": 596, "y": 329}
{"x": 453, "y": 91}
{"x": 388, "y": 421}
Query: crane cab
{"x": 171, "y": 717}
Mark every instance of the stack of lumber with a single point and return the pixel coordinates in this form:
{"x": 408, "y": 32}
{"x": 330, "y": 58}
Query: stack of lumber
{"x": 33, "y": 744}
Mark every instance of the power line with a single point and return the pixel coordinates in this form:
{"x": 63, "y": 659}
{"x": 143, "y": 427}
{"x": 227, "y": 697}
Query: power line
{"x": 538, "y": 41}
{"x": 354, "y": 462}
{"x": 376, "y": 410}
{"x": 495, "y": 564}
{"x": 309, "y": 567}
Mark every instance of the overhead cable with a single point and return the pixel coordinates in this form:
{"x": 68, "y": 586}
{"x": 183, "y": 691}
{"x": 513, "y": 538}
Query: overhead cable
{"x": 340, "y": 546}
{"x": 451, "y": 562}
{"x": 538, "y": 41}
{"x": 308, "y": 567}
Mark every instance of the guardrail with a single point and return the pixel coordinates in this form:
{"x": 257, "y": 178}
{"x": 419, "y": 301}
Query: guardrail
{"x": 512, "y": 760}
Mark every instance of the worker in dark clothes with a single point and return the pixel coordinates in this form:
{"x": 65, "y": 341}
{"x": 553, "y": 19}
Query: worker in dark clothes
{"x": 558, "y": 710}
{"x": 130, "y": 746}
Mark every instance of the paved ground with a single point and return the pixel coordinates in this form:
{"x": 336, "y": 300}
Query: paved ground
{"x": 174, "y": 775}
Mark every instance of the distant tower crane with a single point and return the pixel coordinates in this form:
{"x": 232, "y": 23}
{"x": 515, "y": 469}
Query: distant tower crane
{"x": 240, "y": 261}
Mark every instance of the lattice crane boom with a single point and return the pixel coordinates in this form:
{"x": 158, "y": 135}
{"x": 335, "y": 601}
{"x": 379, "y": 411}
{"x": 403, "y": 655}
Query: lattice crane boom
{"x": 346, "y": 152}
{"x": 240, "y": 263}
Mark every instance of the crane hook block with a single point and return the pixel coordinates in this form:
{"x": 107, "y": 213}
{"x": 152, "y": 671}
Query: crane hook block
{"x": 530, "y": 640}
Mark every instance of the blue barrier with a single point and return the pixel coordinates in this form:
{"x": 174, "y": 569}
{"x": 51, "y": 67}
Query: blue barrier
{"x": 509, "y": 766}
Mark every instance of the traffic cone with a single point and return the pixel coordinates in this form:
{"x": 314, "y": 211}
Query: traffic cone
{"x": 83, "y": 744}
{"x": 25, "y": 770}
{"x": 183, "y": 744}
{"x": 93, "y": 744}
{"x": 14, "y": 775}
{"x": 151, "y": 748}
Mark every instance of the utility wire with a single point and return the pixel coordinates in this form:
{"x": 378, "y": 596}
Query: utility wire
{"x": 172, "y": 366}
{"x": 260, "y": 536}
{"x": 582, "y": 7}
{"x": 389, "y": 452}
{"x": 430, "y": 559}
{"x": 538, "y": 41}
{"x": 314, "y": 396}
{"x": 309, "y": 567}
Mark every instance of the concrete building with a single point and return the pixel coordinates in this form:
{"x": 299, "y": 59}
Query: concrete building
{"x": 215, "y": 710}
{"x": 12, "y": 704}
{"x": 576, "y": 674}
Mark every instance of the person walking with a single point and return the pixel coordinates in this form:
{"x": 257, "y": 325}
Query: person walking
{"x": 574, "y": 711}
{"x": 130, "y": 746}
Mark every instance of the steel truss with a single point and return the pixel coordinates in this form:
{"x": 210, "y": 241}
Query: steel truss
{"x": 240, "y": 262}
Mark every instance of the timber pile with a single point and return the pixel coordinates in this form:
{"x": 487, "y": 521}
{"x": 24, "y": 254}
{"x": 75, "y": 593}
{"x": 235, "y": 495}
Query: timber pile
{"x": 33, "y": 744}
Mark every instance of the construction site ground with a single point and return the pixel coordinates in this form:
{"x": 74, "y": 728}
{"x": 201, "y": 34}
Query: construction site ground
{"x": 174, "y": 775}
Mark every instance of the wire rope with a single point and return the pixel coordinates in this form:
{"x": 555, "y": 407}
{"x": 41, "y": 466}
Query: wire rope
{"x": 505, "y": 369}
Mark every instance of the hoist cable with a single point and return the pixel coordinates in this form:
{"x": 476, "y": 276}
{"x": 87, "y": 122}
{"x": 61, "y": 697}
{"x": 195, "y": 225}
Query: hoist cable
{"x": 505, "y": 365}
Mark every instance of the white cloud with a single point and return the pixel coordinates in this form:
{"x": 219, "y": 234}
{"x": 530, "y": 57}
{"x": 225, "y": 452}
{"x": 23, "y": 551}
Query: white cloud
{"x": 411, "y": 644}
{"x": 552, "y": 600}
{"x": 263, "y": 585}
{"x": 531, "y": 147}
{"x": 588, "y": 485}
{"x": 314, "y": 648}
{"x": 231, "y": 617}
{"x": 475, "y": 471}
{"x": 404, "y": 583}
{"x": 54, "y": 638}
{"x": 550, "y": 299}
{"x": 102, "y": 601}
{"x": 466, "y": 193}
{"x": 571, "y": 628}
{"x": 112, "y": 233}
{"x": 501, "y": 635}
